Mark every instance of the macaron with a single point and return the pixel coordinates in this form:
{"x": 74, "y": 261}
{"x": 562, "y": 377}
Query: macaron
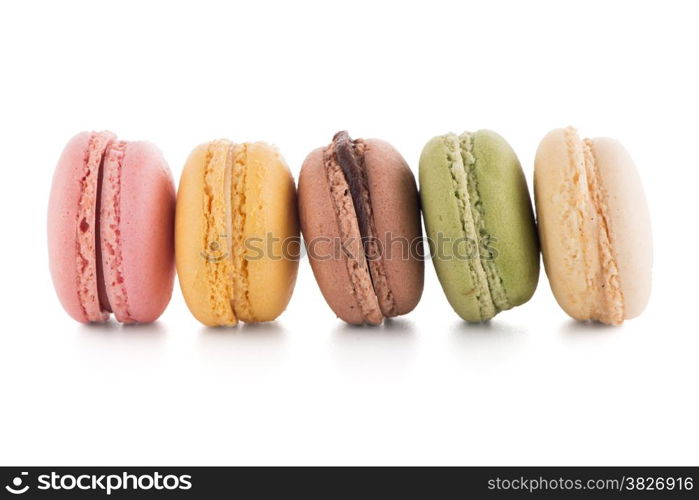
{"x": 594, "y": 227}
{"x": 110, "y": 229}
{"x": 236, "y": 233}
{"x": 359, "y": 211}
{"x": 480, "y": 224}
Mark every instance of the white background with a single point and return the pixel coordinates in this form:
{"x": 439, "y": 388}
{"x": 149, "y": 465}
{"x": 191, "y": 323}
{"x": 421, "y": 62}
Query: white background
{"x": 530, "y": 387}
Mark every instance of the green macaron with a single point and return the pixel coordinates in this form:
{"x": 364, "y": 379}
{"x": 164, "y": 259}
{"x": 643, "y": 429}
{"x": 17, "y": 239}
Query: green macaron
{"x": 480, "y": 223}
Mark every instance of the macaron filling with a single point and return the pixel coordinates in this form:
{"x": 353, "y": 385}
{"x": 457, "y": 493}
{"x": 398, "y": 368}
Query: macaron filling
{"x": 99, "y": 235}
{"x": 236, "y": 219}
{"x": 498, "y": 294}
{"x": 94, "y": 304}
{"x": 489, "y": 289}
{"x": 350, "y": 156}
{"x": 589, "y": 238}
{"x": 459, "y": 179}
{"x": 225, "y": 216}
{"x": 610, "y": 291}
{"x": 218, "y": 198}
{"x": 113, "y": 291}
{"x": 350, "y": 222}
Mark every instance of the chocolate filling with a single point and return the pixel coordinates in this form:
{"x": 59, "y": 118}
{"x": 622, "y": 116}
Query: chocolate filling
{"x": 350, "y": 156}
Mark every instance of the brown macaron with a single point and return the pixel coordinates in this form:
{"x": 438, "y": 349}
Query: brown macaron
{"x": 360, "y": 218}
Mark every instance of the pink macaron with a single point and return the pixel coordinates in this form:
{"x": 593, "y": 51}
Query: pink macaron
{"x": 110, "y": 229}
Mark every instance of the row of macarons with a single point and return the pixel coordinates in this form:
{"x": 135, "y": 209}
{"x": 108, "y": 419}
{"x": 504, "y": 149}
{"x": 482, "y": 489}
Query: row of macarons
{"x": 117, "y": 230}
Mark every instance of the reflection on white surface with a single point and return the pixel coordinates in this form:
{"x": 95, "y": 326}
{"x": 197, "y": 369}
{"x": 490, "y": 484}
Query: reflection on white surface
{"x": 494, "y": 328}
{"x": 399, "y": 325}
{"x": 244, "y": 330}
{"x": 359, "y": 351}
{"x": 116, "y": 329}
{"x": 121, "y": 347}
{"x": 572, "y": 327}
{"x": 391, "y": 326}
{"x": 105, "y": 336}
{"x": 243, "y": 347}
{"x": 488, "y": 342}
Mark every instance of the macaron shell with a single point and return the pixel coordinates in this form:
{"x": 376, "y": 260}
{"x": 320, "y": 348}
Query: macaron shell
{"x": 69, "y": 239}
{"x": 396, "y": 211}
{"x": 444, "y": 227}
{"x": 191, "y": 254}
{"x": 147, "y": 199}
{"x": 629, "y": 222}
{"x": 270, "y": 211}
{"x": 507, "y": 215}
{"x": 321, "y": 233}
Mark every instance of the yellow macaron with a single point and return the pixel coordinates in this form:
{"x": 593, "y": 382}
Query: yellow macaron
{"x": 236, "y": 233}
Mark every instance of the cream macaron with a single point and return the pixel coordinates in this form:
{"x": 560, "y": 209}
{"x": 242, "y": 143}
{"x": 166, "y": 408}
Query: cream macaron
{"x": 594, "y": 227}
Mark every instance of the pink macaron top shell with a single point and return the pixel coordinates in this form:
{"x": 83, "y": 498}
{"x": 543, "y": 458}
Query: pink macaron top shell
{"x": 72, "y": 226}
{"x": 139, "y": 283}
